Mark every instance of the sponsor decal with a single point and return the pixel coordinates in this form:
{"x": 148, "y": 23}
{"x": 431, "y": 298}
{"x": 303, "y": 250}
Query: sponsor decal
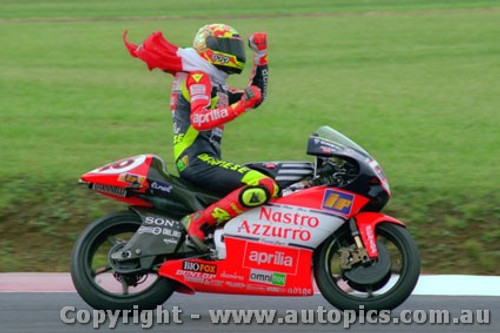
{"x": 168, "y": 241}
{"x": 199, "y": 97}
{"x": 325, "y": 144}
{"x": 371, "y": 239}
{"x": 121, "y": 166}
{"x": 266, "y": 277}
{"x": 274, "y": 241}
{"x": 265, "y": 230}
{"x": 197, "y": 89}
{"x": 213, "y": 114}
{"x": 160, "y": 231}
{"x": 226, "y": 275}
{"x": 161, "y": 188}
{"x": 378, "y": 170}
{"x": 157, "y": 226}
{"x": 199, "y": 267}
{"x": 265, "y": 76}
{"x": 235, "y": 284}
{"x": 254, "y": 287}
{"x": 286, "y": 225}
{"x": 220, "y": 58}
{"x": 277, "y": 258}
{"x": 182, "y": 163}
{"x": 338, "y": 202}
{"x": 299, "y": 291}
{"x": 131, "y": 179}
{"x": 161, "y": 221}
{"x": 118, "y": 191}
{"x": 220, "y": 215}
{"x": 271, "y": 258}
{"x": 214, "y": 283}
{"x": 223, "y": 164}
{"x": 197, "y": 77}
{"x": 173, "y": 104}
{"x": 196, "y": 277}
{"x": 326, "y": 150}
{"x": 270, "y": 215}
{"x": 275, "y": 290}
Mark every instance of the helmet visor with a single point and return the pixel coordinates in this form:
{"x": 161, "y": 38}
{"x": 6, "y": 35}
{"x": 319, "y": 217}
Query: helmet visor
{"x": 232, "y": 46}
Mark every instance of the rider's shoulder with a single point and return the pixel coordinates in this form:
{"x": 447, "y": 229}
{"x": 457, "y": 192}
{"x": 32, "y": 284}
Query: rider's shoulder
{"x": 196, "y": 77}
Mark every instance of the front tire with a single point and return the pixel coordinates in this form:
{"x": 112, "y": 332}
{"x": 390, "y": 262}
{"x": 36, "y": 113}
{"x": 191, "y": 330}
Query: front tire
{"x": 393, "y": 284}
{"x": 90, "y": 264}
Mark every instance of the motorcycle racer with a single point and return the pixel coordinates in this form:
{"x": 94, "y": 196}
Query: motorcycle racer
{"x": 201, "y": 104}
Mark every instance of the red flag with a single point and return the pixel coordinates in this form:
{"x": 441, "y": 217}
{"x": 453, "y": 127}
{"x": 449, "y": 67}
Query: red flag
{"x": 156, "y": 52}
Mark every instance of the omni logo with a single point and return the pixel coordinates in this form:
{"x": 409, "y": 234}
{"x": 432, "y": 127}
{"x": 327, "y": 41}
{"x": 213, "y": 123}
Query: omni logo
{"x": 276, "y": 279}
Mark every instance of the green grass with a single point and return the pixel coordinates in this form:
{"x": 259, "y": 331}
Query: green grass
{"x": 414, "y": 82}
{"x": 15, "y": 9}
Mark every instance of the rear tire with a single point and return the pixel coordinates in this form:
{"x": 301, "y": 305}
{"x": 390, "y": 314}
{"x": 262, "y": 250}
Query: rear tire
{"x": 83, "y": 274}
{"x": 345, "y": 295}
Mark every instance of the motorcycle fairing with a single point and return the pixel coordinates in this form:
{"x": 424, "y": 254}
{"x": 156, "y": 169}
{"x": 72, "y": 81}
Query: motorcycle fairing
{"x": 267, "y": 250}
{"x": 253, "y": 268}
{"x": 330, "y": 200}
{"x": 284, "y": 225}
{"x": 145, "y": 174}
{"x": 115, "y": 179}
{"x": 366, "y": 223}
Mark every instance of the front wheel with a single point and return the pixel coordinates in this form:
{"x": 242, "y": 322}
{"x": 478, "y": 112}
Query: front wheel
{"x": 108, "y": 285}
{"x": 381, "y": 284}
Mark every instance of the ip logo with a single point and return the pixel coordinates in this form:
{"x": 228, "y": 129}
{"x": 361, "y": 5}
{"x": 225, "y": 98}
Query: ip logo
{"x": 338, "y": 202}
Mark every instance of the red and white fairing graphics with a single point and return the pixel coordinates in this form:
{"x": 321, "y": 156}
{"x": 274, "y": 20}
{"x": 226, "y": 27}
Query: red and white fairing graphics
{"x": 268, "y": 250}
{"x": 253, "y": 268}
{"x": 114, "y": 178}
{"x": 284, "y": 224}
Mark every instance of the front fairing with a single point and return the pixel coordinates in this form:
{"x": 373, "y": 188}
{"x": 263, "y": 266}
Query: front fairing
{"x": 329, "y": 143}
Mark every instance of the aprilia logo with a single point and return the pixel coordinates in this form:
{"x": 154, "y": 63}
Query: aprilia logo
{"x": 271, "y": 258}
{"x": 277, "y": 258}
{"x": 210, "y": 116}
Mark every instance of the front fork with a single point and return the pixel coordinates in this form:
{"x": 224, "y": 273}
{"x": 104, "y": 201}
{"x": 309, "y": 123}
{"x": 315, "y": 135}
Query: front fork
{"x": 362, "y": 227}
{"x": 351, "y": 256}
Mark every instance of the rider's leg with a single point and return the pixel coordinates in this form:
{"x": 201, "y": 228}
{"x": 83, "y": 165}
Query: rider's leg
{"x": 257, "y": 189}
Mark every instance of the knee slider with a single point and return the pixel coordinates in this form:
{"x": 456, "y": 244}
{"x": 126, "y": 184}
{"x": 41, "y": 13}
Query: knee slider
{"x": 253, "y": 196}
{"x": 271, "y": 186}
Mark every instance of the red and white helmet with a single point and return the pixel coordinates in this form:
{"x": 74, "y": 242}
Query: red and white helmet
{"x": 222, "y": 46}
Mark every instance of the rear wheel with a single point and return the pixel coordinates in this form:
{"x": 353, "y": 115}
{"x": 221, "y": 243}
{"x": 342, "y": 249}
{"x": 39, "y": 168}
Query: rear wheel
{"x": 106, "y": 284}
{"x": 383, "y": 283}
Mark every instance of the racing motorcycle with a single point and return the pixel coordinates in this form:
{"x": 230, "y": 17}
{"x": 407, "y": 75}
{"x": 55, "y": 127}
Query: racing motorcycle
{"x": 326, "y": 226}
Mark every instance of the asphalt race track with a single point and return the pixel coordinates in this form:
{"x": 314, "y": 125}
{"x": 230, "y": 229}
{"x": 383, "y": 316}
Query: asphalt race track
{"x": 40, "y": 313}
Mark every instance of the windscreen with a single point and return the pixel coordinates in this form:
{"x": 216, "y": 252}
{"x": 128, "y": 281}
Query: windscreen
{"x": 329, "y": 133}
